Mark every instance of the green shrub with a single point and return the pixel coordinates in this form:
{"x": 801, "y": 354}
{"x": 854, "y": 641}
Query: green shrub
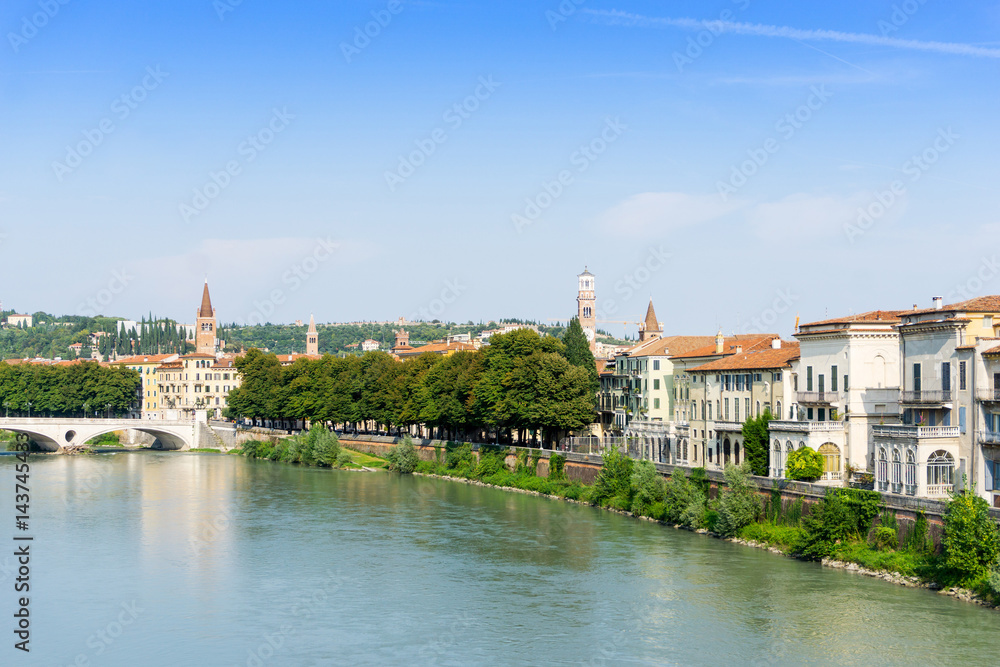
{"x": 971, "y": 540}
{"x": 739, "y": 504}
{"x": 491, "y": 461}
{"x": 829, "y": 522}
{"x": 427, "y": 467}
{"x": 863, "y": 507}
{"x": 917, "y": 541}
{"x": 884, "y": 538}
{"x": 648, "y": 487}
{"x": 403, "y": 457}
{"x": 459, "y": 457}
{"x": 785, "y": 537}
{"x": 993, "y": 581}
{"x": 712, "y": 520}
{"x": 523, "y": 466}
{"x": 325, "y": 447}
{"x": 614, "y": 480}
{"x": 699, "y": 478}
{"x": 804, "y": 464}
{"x": 694, "y": 514}
{"x": 677, "y": 495}
{"x": 556, "y": 464}
{"x": 344, "y": 459}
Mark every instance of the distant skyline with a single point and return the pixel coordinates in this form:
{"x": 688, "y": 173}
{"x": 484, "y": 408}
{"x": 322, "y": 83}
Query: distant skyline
{"x": 740, "y": 162}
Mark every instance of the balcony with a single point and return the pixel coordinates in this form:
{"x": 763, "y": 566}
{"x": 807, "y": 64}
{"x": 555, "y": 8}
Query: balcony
{"x": 935, "y": 397}
{"x": 988, "y": 395}
{"x": 728, "y": 426}
{"x": 989, "y": 437}
{"x": 939, "y": 490}
{"x": 805, "y": 426}
{"x": 817, "y": 397}
{"x": 906, "y": 431}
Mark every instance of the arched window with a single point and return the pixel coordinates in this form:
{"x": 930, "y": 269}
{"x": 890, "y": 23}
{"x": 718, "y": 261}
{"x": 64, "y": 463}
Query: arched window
{"x": 911, "y": 472}
{"x": 777, "y": 464}
{"x": 777, "y": 412}
{"x": 758, "y": 409}
{"x": 882, "y": 470}
{"x": 736, "y": 452}
{"x": 896, "y": 472}
{"x": 831, "y": 460}
{"x": 685, "y": 449}
{"x": 940, "y": 473}
{"x": 801, "y": 444}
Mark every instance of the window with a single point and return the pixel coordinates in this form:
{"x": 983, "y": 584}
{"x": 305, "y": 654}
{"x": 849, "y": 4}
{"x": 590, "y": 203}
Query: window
{"x": 656, "y": 404}
{"x": 776, "y": 377}
{"x": 757, "y": 414}
{"x": 940, "y": 470}
{"x": 882, "y": 470}
{"x": 822, "y": 384}
{"x": 746, "y": 404}
{"x": 946, "y": 375}
{"x": 809, "y": 378}
{"x": 831, "y": 457}
{"x": 916, "y": 377}
{"x": 778, "y": 410}
{"x": 961, "y": 376}
{"x": 822, "y": 414}
{"x": 739, "y": 383}
{"x": 809, "y": 413}
{"x": 833, "y": 378}
{"x": 656, "y": 384}
{"x": 911, "y": 472}
{"x": 846, "y": 386}
{"x": 961, "y": 419}
{"x": 736, "y": 409}
{"x": 726, "y": 404}
{"x": 897, "y": 469}
{"x": 988, "y": 321}
{"x": 197, "y": 376}
{"x": 656, "y": 364}
{"x": 710, "y": 410}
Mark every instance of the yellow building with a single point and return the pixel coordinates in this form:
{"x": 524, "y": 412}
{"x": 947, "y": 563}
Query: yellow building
{"x": 146, "y": 366}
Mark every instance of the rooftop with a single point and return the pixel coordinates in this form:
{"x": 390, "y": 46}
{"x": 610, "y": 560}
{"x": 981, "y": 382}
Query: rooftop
{"x": 756, "y": 359}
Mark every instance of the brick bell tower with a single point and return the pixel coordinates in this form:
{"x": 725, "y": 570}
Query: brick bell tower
{"x": 586, "y": 307}
{"x": 204, "y": 332}
{"x": 312, "y": 338}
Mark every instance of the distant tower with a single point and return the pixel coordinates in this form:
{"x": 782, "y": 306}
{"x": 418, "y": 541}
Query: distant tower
{"x": 402, "y": 339}
{"x": 312, "y": 338}
{"x": 586, "y": 310}
{"x": 650, "y": 328}
{"x": 204, "y": 330}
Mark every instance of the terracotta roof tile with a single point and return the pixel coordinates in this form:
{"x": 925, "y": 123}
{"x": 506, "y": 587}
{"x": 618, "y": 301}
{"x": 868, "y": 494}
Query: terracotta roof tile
{"x": 979, "y": 304}
{"x": 758, "y": 359}
{"x": 729, "y": 346}
{"x": 889, "y": 316}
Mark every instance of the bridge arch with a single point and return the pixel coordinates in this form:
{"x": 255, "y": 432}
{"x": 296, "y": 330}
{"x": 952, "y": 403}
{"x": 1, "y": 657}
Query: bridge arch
{"x": 54, "y": 434}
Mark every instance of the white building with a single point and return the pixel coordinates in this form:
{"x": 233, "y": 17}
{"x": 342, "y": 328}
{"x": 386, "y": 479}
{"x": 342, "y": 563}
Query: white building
{"x": 847, "y": 382}
{"x": 369, "y": 345}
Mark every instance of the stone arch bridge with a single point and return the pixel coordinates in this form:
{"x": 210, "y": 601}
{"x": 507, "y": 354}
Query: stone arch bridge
{"x": 59, "y": 434}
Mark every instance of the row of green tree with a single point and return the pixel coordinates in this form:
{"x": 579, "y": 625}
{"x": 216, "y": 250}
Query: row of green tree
{"x": 51, "y": 337}
{"x": 521, "y": 382}
{"x": 67, "y": 391}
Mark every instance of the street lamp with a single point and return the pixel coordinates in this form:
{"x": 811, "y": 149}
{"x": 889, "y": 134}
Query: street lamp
{"x": 86, "y": 409}
{"x": 108, "y": 408}
{"x": 29, "y": 409}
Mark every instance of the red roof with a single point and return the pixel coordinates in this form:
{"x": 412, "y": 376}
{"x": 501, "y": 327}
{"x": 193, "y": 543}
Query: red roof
{"x": 669, "y": 346}
{"x": 756, "y": 359}
{"x": 887, "y": 316}
{"x": 980, "y": 304}
{"x": 729, "y": 346}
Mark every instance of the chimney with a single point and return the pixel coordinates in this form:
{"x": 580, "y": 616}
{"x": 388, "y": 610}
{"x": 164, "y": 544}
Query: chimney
{"x": 719, "y": 342}
{"x": 739, "y": 349}
{"x": 915, "y": 307}
{"x": 775, "y": 343}
{"x": 938, "y": 302}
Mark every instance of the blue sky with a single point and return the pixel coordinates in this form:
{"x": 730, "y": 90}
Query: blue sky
{"x": 747, "y": 161}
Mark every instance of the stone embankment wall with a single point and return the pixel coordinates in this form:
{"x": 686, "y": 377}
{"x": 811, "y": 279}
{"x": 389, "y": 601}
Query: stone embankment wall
{"x": 585, "y": 468}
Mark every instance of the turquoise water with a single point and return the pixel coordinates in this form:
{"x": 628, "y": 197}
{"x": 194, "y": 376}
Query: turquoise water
{"x": 199, "y": 559}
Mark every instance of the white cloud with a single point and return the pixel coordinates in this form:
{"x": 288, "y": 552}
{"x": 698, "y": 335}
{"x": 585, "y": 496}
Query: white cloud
{"x": 803, "y": 216}
{"x": 656, "y": 213}
{"x": 615, "y": 17}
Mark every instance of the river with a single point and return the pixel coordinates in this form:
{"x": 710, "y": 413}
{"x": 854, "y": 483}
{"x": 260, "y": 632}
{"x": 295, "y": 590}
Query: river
{"x": 144, "y": 558}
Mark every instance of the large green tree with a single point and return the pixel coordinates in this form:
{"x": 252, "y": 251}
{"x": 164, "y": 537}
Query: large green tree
{"x": 755, "y": 441}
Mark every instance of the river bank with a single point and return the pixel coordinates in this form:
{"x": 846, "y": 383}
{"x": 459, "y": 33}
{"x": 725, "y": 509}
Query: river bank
{"x": 896, "y": 578}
